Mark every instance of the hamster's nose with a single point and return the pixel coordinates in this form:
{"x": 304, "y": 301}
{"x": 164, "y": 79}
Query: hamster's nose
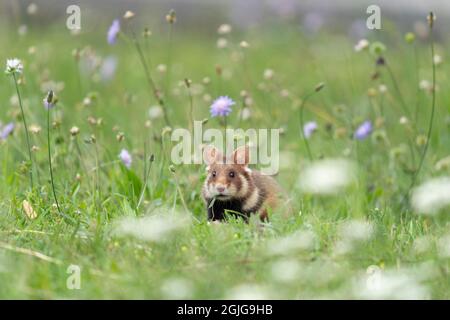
{"x": 220, "y": 189}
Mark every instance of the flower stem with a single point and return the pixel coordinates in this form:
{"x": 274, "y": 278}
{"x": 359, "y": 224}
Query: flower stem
{"x": 50, "y": 163}
{"x": 191, "y": 108}
{"x": 144, "y": 188}
{"x": 301, "y": 120}
{"x": 169, "y": 59}
{"x": 430, "y": 124}
{"x": 26, "y": 130}
{"x": 149, "y": 77}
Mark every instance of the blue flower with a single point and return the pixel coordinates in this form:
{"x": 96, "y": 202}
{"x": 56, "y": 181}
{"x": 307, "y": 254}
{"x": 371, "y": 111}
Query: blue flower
{"x": 6, "y": 131}
{"x": 309, "y": 128}
{"x": 221, "y": 106}
{"x": 113, "y": 31}
{"x": 126, "y": 158}
{"x": 364, "y": 130}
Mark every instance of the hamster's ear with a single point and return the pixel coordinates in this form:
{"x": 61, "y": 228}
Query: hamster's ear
{"x": 241, "y": 155}
{"x": 211, "y": 155}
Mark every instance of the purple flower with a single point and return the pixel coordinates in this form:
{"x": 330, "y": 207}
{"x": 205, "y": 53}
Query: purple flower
{"x": 6, "y": 131}
{"x": 125, "y": 157}
{"x": 309, "y": 128}
{"x": 113, "y": 31}
{"x": 108, "y": 68}
{"x": 221, "y": 106}
{"x": 364, "y": 130}
{"x": 48, "y": 105}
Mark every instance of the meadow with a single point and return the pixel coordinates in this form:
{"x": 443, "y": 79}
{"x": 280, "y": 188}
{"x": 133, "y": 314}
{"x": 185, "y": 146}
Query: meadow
{"x": 368, "y": 182}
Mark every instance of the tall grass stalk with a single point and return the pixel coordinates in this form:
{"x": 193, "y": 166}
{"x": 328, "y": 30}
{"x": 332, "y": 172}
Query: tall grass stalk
{"x": 305, "y": 98}
{"x": 187, "y": 82}
{"x": 52, "y": 180}
{"x": 147, "y": 175}
{"x": 433, "y": 107}
{"x": 27, "y": 134}
{"x": 155, "y": 91}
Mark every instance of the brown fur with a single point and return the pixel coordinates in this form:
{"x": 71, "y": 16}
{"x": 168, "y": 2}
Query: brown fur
{"x": 243, "y": 188}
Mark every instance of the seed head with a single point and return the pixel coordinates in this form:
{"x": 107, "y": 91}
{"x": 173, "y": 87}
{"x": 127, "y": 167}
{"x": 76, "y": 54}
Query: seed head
{"x": 120, "y": 136}
{"x": 319, "y": 87}
{"x": 74, "y": 131}
{"x": 147, "y": 33}
{"x": 50, "y": 100}
{"x": 431, "y": 18}
{"x": 128, "y": 15}
{"x": 171, "y": 17}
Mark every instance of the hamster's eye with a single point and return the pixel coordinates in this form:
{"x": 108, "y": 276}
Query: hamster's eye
{"x": 231, "y": 174}
{"x": 214, "y": 173}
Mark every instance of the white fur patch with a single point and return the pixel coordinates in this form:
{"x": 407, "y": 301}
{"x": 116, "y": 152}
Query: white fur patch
{"x": 251, "y": 201}
{"x": 244, "y": 187}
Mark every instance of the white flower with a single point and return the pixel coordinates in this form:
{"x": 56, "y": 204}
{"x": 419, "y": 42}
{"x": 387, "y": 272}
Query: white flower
{"x": 268, "y": 74}
{"x": 162, "y": 68}
{"x": 222, "y": 43}
{"x": 32, "y": 9}
{"x": 224, "y": 29}
{"x": 431, "y": 196}
{"x": 425, "y": 85}
{"x": 155, "y": 228}
{"x": 177, "y": 289}
{"x": 437, "y": 59}
{"x": 155, "y": 112}
{"x": 361, "y": 45}
{"x": 443, "y": 164}
{"x": 382, "y": 88}
{"x": 443, "y": 246}
{"x": 13, "y": 66}
{"x": 298, "y": 241}
{"x": 379, "y": 284}
{"x": 326, "y": 176}
{"x": 351, "y": 233}
{"x": 356, "y": 230}
{"x": 244, "y": 44}
{"x": 422, "y": 244}
{"x": 403, "y": 120}
{"x": 248, "y": 292}
{"x": 285, "y": 270}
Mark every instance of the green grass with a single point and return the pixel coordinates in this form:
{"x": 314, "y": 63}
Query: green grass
{"x": 232, "y": 259}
